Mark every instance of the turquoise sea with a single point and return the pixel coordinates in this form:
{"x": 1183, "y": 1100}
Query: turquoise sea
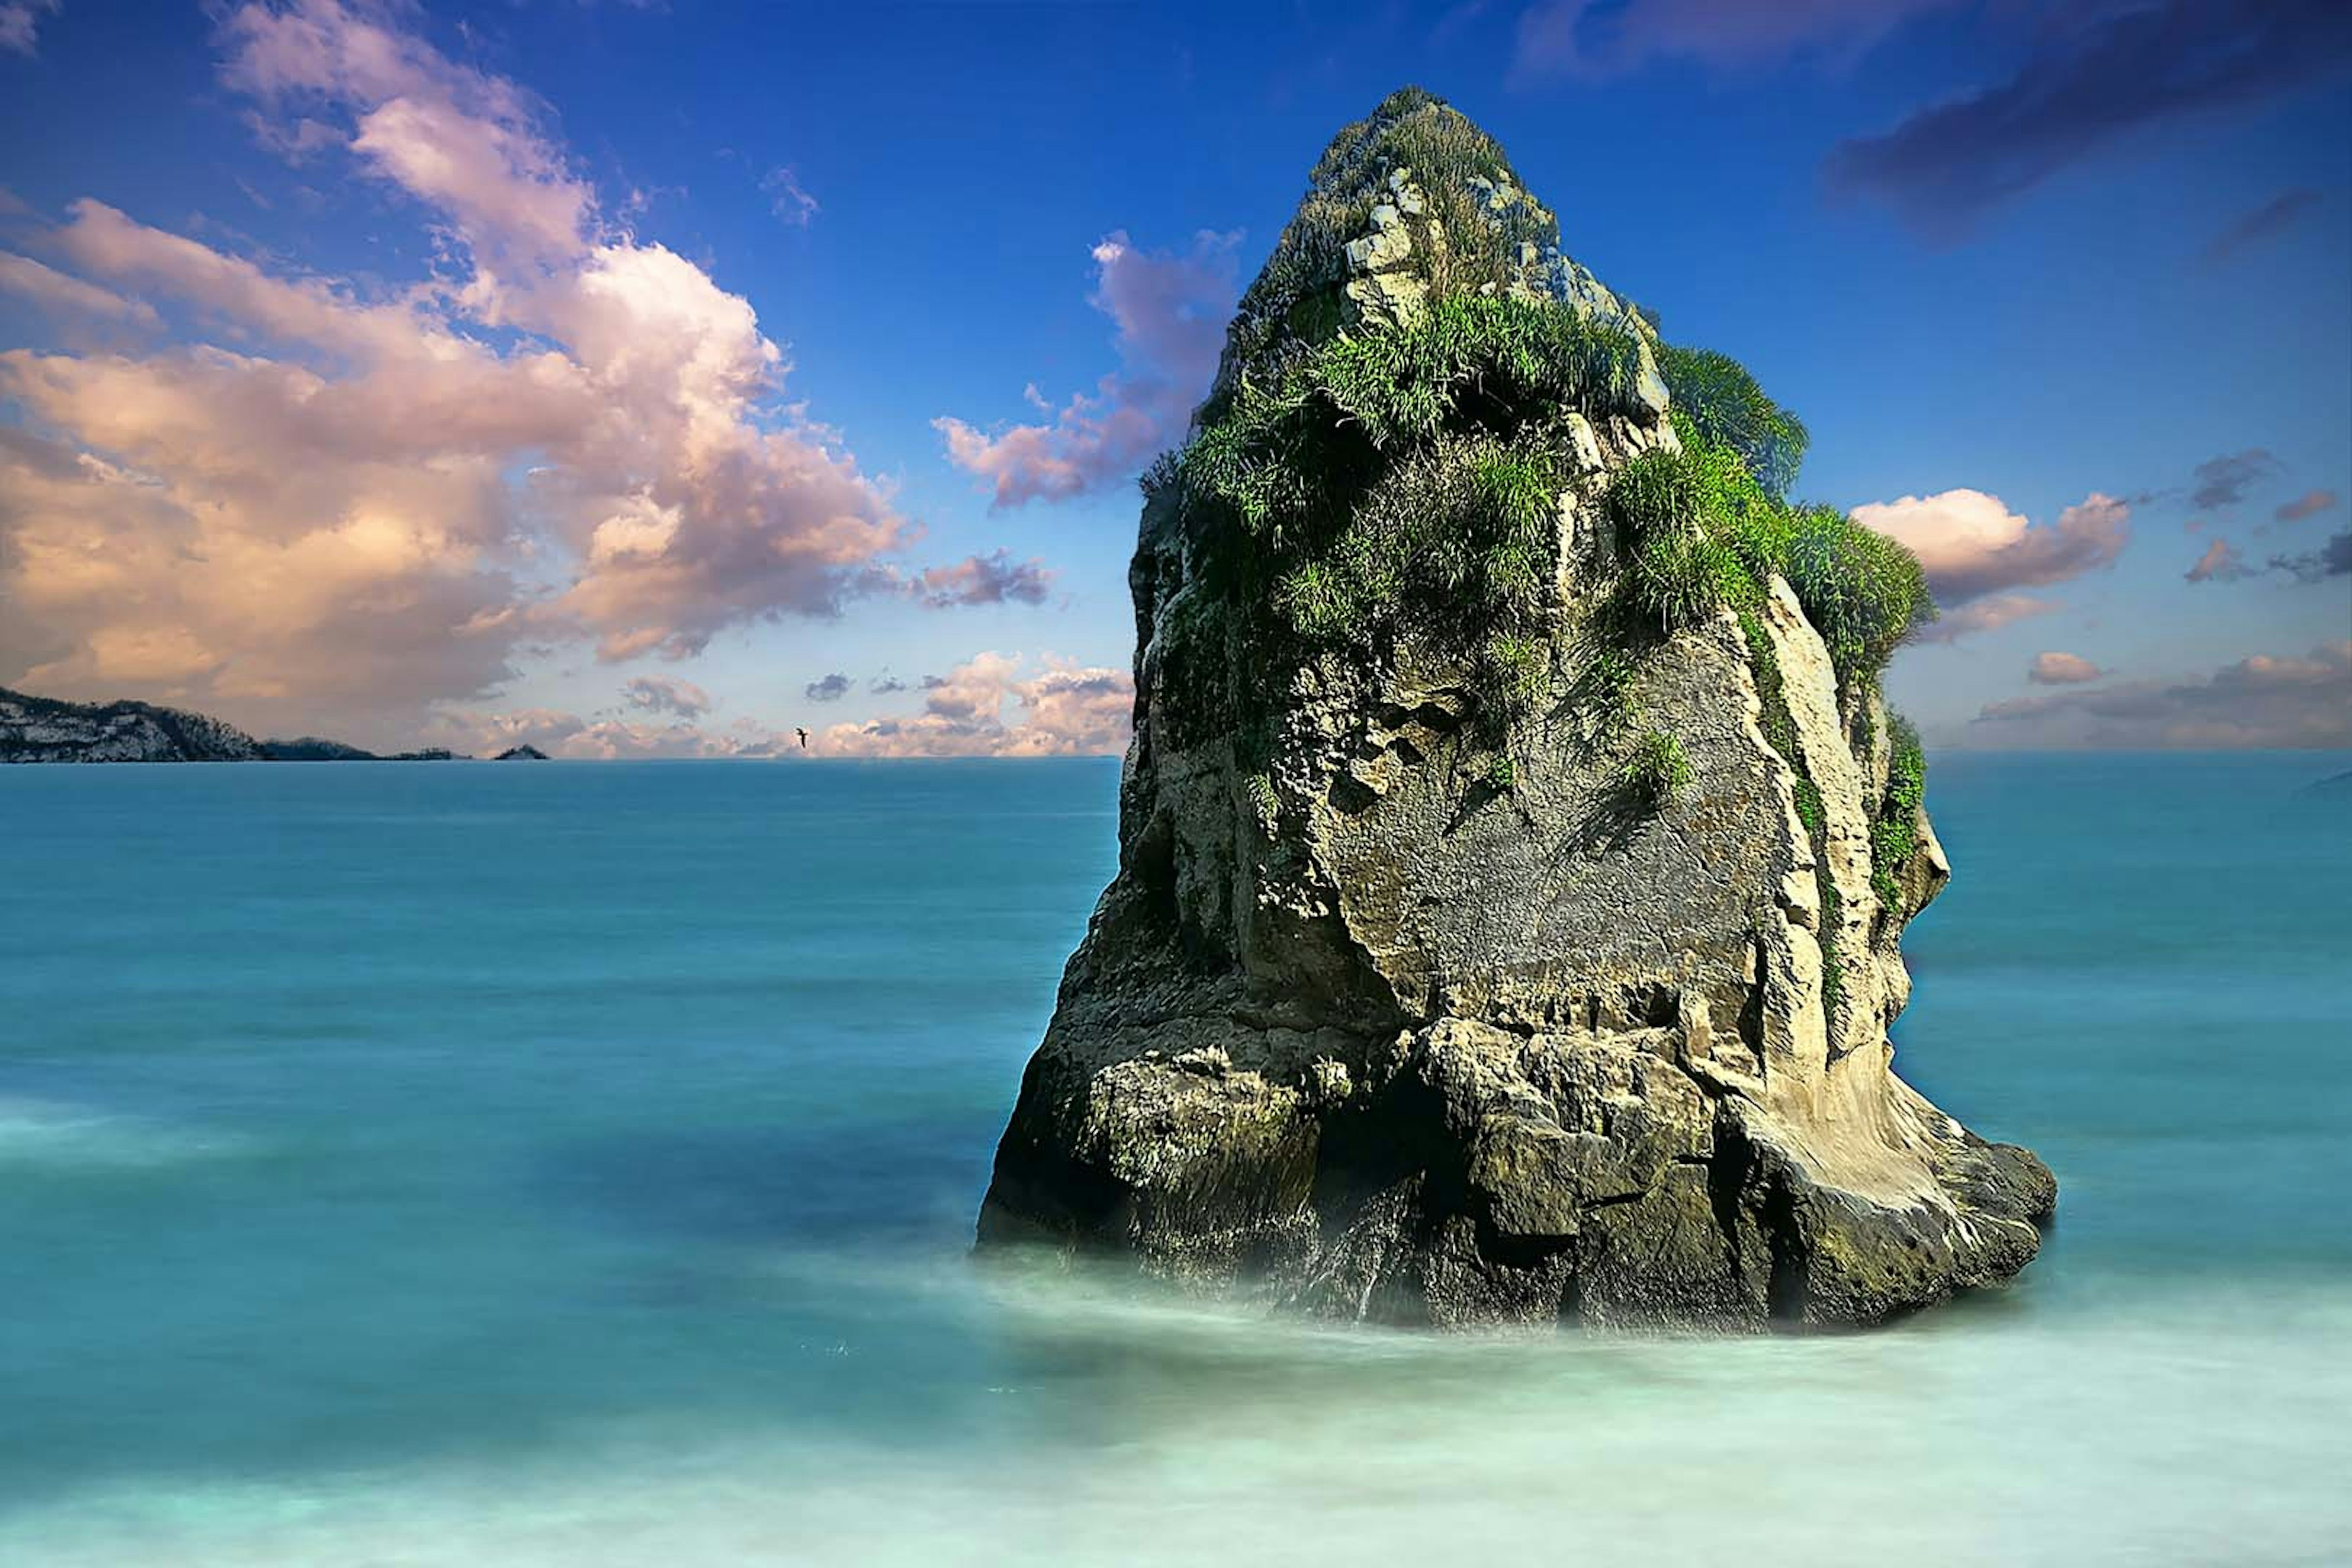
{"x": 576, "y": 1164}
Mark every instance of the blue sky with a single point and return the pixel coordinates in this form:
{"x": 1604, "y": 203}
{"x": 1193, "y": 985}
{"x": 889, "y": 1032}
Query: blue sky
{"x": 2059, "y": 257}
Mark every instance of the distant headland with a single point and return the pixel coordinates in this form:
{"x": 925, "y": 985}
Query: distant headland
{"x": 45, "y": 729}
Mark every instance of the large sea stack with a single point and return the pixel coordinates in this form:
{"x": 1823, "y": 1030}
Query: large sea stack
{"x": 1514, "y": 849}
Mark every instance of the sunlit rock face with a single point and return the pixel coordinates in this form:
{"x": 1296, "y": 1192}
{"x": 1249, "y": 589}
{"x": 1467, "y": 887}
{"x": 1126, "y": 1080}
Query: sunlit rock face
{"x": 1413, "y": 1003}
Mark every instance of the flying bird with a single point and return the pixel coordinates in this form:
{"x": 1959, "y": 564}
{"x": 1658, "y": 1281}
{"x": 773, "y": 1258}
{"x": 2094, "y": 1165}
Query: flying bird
{"x": 803, "y": 734}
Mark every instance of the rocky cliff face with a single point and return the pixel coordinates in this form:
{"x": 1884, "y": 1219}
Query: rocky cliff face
{"x": 41, "y": 730}
{"x": 1512, "y": 872}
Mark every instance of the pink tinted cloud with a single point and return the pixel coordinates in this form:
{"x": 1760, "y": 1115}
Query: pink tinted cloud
{"x": 2063, "y": 669}
{"x": 1171, "y": 312}
{"x": 988, "y": 707}
{"x": 2311, "y": 503}
{"x": 1988, "y": 613}
{"x": 341, "y": 502}
{"x": 992, "y": 579}
{"x": 560, "y": 733}
{"x": 1972, "y": 545}
{"x": 2259, "y": 702}
{"x": 51, "y": 290}
{"x": 2222, "y": 563}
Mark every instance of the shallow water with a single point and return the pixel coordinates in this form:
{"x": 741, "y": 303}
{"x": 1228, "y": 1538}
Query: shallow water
{"x": 575, "y": 1164}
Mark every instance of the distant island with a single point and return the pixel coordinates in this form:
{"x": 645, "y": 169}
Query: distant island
{"x": 45, "y": 729}
{"x": 522, "y": 753}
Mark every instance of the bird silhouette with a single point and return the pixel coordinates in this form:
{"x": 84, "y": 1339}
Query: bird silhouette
{"x": 803, "y": 734}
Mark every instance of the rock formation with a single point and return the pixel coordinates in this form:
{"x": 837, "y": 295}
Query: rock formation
{"x": 1514, "y": 849}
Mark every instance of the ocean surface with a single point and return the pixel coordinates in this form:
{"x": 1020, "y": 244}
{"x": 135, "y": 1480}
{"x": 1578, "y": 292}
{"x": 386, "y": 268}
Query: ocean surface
{"x": 576, "y": 1164}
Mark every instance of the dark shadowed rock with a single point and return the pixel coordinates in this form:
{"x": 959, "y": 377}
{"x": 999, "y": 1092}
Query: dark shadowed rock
{"x": 1435, "y": 996}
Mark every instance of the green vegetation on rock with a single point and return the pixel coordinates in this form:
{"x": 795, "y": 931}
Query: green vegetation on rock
{"x": 1704, "y": 533}
{"x": 1435, "y": 607}
{"x": 1378, "y": 464}
{"x": 1657, "y": 771}
{"x": 1402, "y": 473}
{"x": 1464, "y": 186}
{"x": 1892, "y": 833}
{"x": 1727, "y": 410}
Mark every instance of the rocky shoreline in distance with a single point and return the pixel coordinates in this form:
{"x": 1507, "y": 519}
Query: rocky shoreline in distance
{"x": 47, "y": 729}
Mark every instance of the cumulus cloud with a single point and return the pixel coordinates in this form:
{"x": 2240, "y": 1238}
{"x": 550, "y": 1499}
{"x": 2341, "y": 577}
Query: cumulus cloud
{"x": 663, "y": 694}
{"x": 827, "y": 689}
{"x": 883, "y": 684}
{"x": 1591, "y": 39}
{"x": 1171, "y": 312}
{"x": 2062, "y": 669}
{"x": 1973, "y": 546}
{"x": 2262, "y": 701}
{"x": 2121, "y": 71}
{"x": 20, "y": 24}
{"x": 2223, "y": 481}
{"x": 991, "y": 579}
{"x": 2268, "y": 221}
{"x": 1063, "y": 710}
{"x": 314, "y": 511}
{"x": 2311, "y": 503}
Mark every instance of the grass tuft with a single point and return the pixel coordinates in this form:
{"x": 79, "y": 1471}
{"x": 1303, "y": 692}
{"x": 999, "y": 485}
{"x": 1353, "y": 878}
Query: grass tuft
{"x": 1657, "y": 773}
{"x": 1727, "y": 410}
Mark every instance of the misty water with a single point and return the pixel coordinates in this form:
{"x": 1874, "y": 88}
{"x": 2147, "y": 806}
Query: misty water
{"x": 547, "y": 1163}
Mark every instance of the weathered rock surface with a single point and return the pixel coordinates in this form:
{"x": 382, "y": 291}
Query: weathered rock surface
{"x": 1383, "y": 1030}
